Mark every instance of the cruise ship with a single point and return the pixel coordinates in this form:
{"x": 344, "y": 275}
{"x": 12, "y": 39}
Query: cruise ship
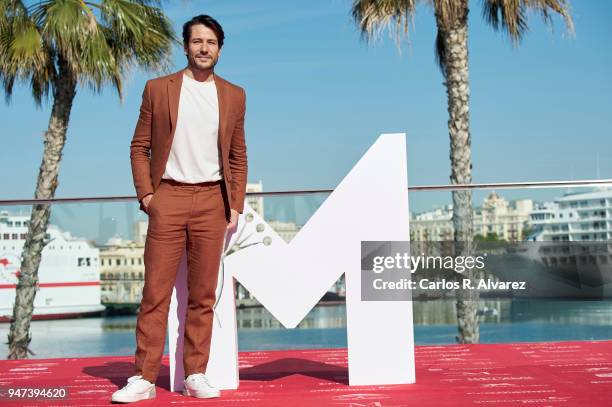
{"x": 69, "y": 272}
{"x": 568, "y": 254}
{"x": 574, "y": 217}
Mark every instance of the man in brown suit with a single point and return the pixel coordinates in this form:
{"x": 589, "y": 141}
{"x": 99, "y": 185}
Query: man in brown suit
{"x": 189, "y": 166}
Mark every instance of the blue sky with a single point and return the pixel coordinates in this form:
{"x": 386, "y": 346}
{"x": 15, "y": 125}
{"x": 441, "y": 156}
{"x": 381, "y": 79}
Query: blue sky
{"x": 318, "y": 97}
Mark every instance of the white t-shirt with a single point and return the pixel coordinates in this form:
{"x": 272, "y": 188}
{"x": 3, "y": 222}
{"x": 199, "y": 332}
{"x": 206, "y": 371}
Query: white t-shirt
{"x": 194, "y": 155}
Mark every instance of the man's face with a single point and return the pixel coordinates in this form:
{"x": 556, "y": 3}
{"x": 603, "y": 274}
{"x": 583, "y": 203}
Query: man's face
{"x": 203, "y": 48}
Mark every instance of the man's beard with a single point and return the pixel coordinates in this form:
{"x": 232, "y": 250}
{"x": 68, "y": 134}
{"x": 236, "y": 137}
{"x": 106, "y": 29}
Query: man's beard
{"x": 203, "y": 64}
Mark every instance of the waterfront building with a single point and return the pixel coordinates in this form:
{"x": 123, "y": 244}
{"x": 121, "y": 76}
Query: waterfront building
{"x": 496, "y": 217}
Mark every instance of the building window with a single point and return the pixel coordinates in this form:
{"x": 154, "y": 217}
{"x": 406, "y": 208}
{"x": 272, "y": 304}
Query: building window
{"x": 23, "y": 236}
{"x": 6, "y": 236}
{"x": 14, "y": 236}
{"x": 118, "y": 262}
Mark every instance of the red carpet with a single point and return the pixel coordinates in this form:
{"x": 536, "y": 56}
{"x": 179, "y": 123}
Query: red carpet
{"x": 526, "y": 374}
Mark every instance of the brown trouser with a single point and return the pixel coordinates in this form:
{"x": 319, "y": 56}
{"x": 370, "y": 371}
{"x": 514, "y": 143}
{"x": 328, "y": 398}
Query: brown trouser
{"x": 180, "y": 215}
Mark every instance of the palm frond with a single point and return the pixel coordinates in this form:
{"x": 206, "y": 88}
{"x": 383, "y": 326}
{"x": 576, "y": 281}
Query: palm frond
{"x": 373, "y": 17}
{"x": 68, "y": 25}
{"x": 97, "y": 42}
{"x": 511, "y": 15}
{"x": 23, "y": 54}
{"x": 138, "y": 33}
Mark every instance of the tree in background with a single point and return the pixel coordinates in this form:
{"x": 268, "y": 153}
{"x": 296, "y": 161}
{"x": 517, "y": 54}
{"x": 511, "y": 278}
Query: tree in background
{"x": 53, "y": 46}
{"x": 374, "y": 16}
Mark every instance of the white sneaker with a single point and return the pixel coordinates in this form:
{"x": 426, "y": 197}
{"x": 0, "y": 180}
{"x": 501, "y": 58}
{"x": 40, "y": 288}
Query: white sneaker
{"x": 197, "y": 385}
{"x": 136, "y": 389}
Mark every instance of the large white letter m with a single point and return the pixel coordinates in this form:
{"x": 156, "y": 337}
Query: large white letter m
{"x": 370, "y": 204}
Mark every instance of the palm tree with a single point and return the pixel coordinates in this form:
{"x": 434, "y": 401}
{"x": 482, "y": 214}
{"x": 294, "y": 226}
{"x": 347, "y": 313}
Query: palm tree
{"x": 53, "y": 46}
{"x": 373, "y": 16}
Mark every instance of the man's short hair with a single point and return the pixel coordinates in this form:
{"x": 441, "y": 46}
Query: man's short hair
{"x": 206, "y": 21}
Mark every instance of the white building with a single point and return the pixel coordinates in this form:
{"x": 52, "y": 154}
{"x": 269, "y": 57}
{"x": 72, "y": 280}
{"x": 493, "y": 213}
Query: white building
{"x": 140, "y": 231}
{"x": 122, "y": 271}
{"x": 507, "y": 220}
{"x": 255, "y": 202}
{"x": 434, "y": 225}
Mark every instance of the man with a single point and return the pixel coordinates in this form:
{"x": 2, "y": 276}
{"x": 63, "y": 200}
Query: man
{"x": 189, "y": 166}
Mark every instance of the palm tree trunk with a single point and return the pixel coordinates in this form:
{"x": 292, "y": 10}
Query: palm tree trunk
{"x": 64, "y": 91}
{"x": 455, "y": 64}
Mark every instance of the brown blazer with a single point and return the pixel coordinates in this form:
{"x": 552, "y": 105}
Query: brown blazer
{"x": 154, "y": 132}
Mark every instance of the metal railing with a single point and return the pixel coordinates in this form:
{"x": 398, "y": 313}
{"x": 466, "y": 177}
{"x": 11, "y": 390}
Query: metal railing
{"x": 419, "y": 188}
